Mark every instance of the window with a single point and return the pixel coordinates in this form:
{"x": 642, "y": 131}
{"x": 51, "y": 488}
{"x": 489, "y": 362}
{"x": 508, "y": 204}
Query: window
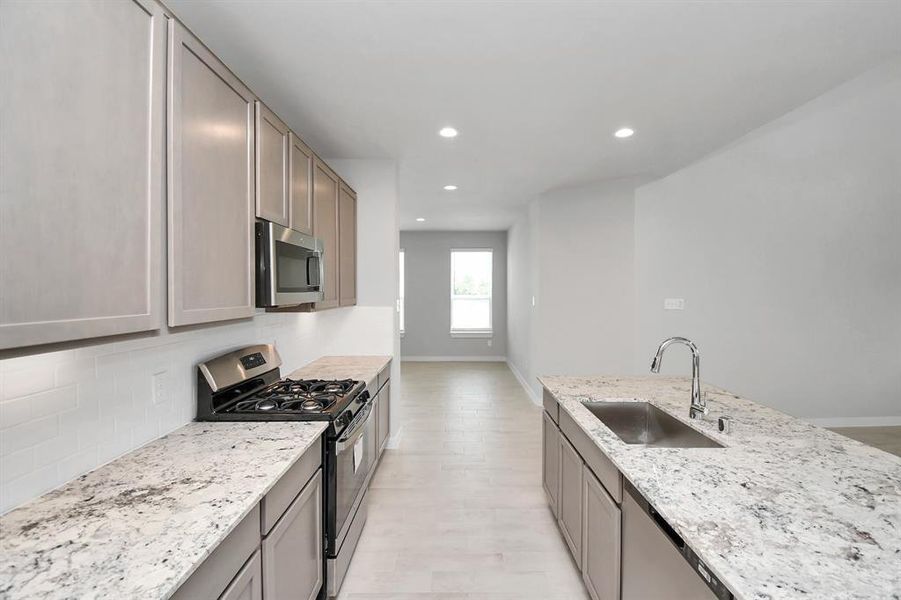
{"x": 471, "y": 293}
{"x": 400, "y": 296}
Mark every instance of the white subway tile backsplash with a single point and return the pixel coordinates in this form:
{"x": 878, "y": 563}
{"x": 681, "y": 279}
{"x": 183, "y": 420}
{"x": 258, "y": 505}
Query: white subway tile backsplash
{"x": 55, "y": 449}
{"x": 16, "y": 465}
{"x": 29, "y": 485}
{"x": 15, "y": 412}
{"x": 64, "y": 413}
{"x": 28, "y": 434}
{"x": 28, "y": 380}
{"x": 53, "y": 402}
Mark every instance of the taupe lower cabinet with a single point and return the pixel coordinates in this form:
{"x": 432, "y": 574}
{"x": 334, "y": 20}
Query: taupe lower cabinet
{"x": 550, "y": 465}
{"x": 211, "y": 186}
{"x": 248, "y": 584}
{"x": 292, "y": 552}
{"x": 272, "y": 144}
{"x": 383, "y": 427}
{"x": 578, "y": 483}
{"x": 569, "y": 501}
{"x": 276, "y": 552}
{"x": 347, "y": 242}
{"x": 601, "y": 540}
{"x": 82, "y": 150}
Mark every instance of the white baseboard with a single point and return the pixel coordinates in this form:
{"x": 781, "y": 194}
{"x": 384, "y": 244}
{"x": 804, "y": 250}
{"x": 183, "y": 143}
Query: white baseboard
{"x": 453, "y": 359}
{"x": 855, "y": 421}
{"x": 533, "y": 396}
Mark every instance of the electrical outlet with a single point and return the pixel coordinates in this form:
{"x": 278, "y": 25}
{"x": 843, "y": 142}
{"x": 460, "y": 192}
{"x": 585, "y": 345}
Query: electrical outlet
{"x": 160, "y": 387}
{"x": 489, "y": 343}
{"x": 674, "y": 304}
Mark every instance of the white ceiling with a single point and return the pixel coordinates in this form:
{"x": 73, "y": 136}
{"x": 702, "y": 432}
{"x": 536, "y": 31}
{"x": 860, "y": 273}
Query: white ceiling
{"x": 535, "y": 88}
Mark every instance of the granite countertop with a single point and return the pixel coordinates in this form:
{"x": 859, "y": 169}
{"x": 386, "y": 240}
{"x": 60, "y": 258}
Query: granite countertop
{"x": 140, "y": 525}
{"x": 784, "y": 510}
{"x": 361, "y": 368}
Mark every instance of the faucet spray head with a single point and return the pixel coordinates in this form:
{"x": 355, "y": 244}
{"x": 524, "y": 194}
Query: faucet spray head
{"x": 655, "y": 364}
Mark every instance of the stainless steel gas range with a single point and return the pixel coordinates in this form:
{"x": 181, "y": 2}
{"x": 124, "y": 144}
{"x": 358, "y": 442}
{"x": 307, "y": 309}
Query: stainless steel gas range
{"x": 246, "y": 385}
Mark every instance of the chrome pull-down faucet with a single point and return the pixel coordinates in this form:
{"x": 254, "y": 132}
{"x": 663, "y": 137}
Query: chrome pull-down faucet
{"x": 698, "y": 403}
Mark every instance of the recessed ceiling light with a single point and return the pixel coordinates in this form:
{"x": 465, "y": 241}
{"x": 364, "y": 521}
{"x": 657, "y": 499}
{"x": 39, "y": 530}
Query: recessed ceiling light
{"x": 450, "y": 188}
{"x": 420, "y": 219}
{"x": 624, "y": 132}
{"x": 447, "y": 132}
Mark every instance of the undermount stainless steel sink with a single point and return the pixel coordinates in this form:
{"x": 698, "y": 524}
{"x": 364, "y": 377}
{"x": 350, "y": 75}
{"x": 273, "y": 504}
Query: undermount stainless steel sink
{"x": 643, "y": 424}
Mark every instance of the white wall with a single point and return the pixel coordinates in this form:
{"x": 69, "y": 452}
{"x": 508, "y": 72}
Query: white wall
{"x": 585, "y": 273}
{"x": 520, "y": 290}
{"x": 786, "y": 247}
{"x": 427, "y": 295}
{"x": 65, "y": 412}
{"x": 574, "y": 253}
{"x": 378, "y": 215}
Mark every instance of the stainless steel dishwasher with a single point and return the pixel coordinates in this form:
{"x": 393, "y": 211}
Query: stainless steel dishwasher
{"x": 656, "y": 562}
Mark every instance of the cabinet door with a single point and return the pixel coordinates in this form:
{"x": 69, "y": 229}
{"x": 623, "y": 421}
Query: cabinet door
{"x": 570, "y": 498}
{"x": 347, "y": 239}
{"x": 384, "y": 416}
{"x": 81, "y": 150}
{"x": 248, "y": 583}
{"x": 211, "y": 187}
{"x": 325, "y": 227}
{"x": 601, "y": 539}
{"x": 300, "y": 169}
{"x": 292, "y": 552}
{"x": 271, "y": 167}
{"x": 550, "y": 461}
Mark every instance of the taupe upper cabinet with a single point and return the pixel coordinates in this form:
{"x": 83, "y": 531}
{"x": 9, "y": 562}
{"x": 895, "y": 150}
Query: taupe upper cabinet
{"x": 272, "y": 167}
{"x": 211, "y": 186}
{"x": 347, "y": 246}
{"x": 300, "y": 172}
{"x": 81, "y": 155}
{"x": 325, "y": 227}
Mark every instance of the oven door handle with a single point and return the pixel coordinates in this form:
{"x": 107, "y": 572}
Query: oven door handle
{"x": 349, "y": 439}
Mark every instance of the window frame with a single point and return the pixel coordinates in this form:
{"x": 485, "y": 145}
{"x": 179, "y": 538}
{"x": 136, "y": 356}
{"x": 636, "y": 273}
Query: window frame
{"x": 472, "y": 332}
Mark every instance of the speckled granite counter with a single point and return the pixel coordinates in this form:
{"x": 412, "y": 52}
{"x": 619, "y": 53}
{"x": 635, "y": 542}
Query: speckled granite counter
{"x": 140, "y": 525}
{"x": 361, "y": 368}
{"x": 785, "y": 510}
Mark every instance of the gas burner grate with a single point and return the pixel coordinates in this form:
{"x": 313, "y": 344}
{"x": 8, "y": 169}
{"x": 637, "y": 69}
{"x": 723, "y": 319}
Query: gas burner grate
{"x": 297, "y": 396}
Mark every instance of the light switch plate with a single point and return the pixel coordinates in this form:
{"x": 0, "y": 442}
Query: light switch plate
{"x": 674, "y": 304}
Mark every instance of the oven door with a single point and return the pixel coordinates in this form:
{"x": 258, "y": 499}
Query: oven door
{"x": 289, "y": 266}
{"x": 354, "y": 458}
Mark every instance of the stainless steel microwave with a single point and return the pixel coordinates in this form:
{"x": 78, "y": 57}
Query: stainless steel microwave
{"x": 289, "y": 266}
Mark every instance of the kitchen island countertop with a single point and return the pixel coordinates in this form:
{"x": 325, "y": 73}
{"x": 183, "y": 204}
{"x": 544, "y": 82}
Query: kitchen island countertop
{"x": 785, "y": 510}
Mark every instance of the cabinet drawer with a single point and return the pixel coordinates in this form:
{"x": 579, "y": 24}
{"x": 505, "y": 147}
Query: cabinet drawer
{"x": 600, "y": 465}
{"x": 551, "y": 406}
{"x": 217, "y": 571}
{"x": 283, "y": 493}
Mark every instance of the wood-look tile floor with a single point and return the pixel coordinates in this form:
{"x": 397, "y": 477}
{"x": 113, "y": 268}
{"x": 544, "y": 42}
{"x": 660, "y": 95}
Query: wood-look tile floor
{"x": 457, "y": 511}
{"x": 885, "y": 438}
